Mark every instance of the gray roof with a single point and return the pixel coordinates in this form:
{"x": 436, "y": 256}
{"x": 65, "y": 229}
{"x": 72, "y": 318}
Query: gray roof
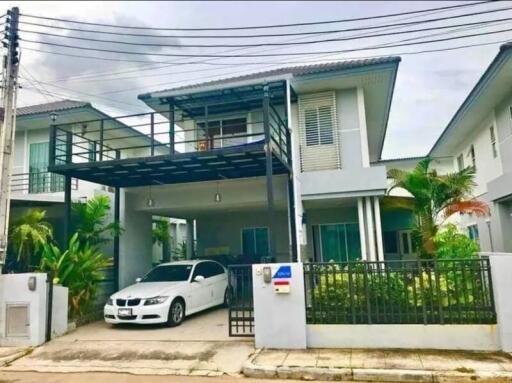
{"x": 51, "y": 107}
{"x": 298, "y": 70}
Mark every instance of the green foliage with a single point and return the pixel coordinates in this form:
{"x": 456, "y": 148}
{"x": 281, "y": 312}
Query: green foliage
{"x": 79, "y": 269}
{"x": 28, "y": 235}
{"x": 180, "y": 252}
{"x": 435, "y": 197}
{"x": 160, "y": 233}
{"x": 90, "y": 223}
{"x": 451, "y": 244}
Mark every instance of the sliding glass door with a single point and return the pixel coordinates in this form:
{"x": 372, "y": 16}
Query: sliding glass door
{"x": 339, "y": 242}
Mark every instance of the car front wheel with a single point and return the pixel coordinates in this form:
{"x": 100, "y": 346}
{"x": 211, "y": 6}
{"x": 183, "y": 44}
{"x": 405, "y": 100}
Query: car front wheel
{"x": 176, "y": 313}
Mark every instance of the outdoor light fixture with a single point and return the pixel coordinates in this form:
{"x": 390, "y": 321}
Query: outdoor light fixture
{"x": 217, "y": 197}
{"x": 53, "y": 117}
{"x": 150, "y": 202}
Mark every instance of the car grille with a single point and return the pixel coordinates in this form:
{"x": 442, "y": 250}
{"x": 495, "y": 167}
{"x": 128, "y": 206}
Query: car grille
{"x": 127, "y": 317}
{"x": 128, "y": 302}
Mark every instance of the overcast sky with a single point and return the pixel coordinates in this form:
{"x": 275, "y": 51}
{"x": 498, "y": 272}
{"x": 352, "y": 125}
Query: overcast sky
{"x": 430, "y": 86}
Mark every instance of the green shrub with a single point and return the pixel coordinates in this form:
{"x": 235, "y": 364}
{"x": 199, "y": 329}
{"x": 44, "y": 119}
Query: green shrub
{"x": 452, "y": 244}
{"x": 79, "y": 269}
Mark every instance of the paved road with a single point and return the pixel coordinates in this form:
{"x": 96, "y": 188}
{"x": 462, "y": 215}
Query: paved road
{"x": 33, "y": 377}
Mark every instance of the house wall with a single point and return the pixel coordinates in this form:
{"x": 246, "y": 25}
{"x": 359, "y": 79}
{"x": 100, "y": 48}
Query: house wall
{"x": 225, "y": 230}
{"x": 353, "y": 176}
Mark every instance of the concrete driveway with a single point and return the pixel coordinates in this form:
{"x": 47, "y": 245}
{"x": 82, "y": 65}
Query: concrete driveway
{"x": 199, "y": 347}
{"x": 210, "y": 325}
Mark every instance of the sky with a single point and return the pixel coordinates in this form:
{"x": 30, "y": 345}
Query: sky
{"x": 429, "y": 88}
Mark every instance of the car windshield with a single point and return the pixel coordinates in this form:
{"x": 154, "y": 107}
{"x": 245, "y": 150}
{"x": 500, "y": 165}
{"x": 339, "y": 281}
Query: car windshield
{"x": 168, "y": 273}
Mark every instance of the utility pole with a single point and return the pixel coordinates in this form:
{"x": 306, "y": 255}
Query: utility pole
{"x": 9, "y": 91}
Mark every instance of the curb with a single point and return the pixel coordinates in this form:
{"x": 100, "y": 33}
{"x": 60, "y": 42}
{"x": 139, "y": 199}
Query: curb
{"x": 252, "y": 370}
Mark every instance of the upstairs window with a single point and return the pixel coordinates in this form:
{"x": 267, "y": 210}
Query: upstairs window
{"x": 222, "y": 133}
{"x": 472, "y": 156}
{"x": 319, "y": 125}
{"x": 493, "y": 142}
{"x": 473, "y": 233}
{"x": 460, "y": 162}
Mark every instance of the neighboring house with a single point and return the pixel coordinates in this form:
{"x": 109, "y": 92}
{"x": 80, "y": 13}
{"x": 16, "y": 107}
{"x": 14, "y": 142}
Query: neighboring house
{"x": 480, "y": 135}
{"x": 277, "y": 165}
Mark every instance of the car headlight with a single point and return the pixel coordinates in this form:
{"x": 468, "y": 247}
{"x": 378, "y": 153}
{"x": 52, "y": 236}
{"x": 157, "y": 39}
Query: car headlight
{"x": 110, "y": 302}
{"x": 154, "y": 301}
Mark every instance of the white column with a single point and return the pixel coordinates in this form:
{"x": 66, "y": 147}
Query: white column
{"x": 190, "y": 238}
{"x": 299, "y": 209}
{"x": 378, "y": 229}
{"x": 370, "y": 229}
{"x": 501, "y": 269}
{"x": 365, "y": 155}
{"x": 362, "y": 231}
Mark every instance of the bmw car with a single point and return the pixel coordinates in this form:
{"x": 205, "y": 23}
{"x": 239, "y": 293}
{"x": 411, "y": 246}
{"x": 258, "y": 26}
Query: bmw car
{"x": 169, "y": 293}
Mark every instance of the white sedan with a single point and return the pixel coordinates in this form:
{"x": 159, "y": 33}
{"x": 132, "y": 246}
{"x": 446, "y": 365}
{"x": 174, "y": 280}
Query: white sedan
{"x": 169, "y": 292}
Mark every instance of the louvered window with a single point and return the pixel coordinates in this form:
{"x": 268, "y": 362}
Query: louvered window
{"x": 319, "y": 132}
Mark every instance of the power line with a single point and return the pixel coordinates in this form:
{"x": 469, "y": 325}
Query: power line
{"x": 267, "y": 54}
{"x": 258, "y": 26}
{"x": 155, "y": 66}
{"x": 269, "y": 43}
{"x": 354, "y": 29}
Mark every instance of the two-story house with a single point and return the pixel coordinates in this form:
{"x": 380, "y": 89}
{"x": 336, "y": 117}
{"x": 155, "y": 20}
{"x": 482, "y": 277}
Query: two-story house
{"x": 480, "y": 135}
{"x": 278, "y": 165}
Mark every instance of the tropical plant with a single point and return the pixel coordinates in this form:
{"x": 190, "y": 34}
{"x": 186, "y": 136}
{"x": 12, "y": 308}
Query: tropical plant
{"x": 28, "y": 234}
{"x": 160, "y": 233}
{"x": 180, "y": 252}
{"x": 452, "y": 244}
{"x": 435, "y": 197}
{"x": 90, "y": 224}
{"x": 79, "y": 269}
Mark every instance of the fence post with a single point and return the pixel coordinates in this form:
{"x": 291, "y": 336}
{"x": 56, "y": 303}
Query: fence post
{"x": 501, "y": 269}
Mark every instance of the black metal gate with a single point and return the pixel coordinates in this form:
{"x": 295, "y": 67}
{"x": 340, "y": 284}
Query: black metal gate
{"x": 241, "y": 307}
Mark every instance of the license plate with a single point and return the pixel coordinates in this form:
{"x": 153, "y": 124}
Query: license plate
{"x": 124, "y": 312}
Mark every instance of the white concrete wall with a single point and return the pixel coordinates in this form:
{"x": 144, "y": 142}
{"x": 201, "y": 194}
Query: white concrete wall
{"x": 135, "y": 244}
{"x": 442, "y": 337}
{"x": 279, "y": 319}
{"x": 14, "y": 291}
{"x": 501, "y": 270}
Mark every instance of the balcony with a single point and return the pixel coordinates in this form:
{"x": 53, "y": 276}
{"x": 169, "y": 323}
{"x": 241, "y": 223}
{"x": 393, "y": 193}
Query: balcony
{"x": 39, "y": 182}
{"x": 228, "y": 133}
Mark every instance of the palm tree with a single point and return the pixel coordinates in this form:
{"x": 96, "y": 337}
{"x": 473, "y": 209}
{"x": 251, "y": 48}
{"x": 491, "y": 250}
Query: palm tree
{"x": 435, "y": 198}
{"x": 28, "y": 235}
{"x": 90, "y": 225}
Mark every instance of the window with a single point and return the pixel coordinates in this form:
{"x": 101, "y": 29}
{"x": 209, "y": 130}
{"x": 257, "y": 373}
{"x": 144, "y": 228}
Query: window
{"x": 472, "y": 156}
{"x": 168, "y": 273}
{"x": 460, "y": 162}
{"x": 319, "y": 125}
{"x": 493, "y": 142}
{"x": 208, "y": 269}
{"x": 255, "y": 242}
{"x": 91, "y": 155}
{"x": 222, "y": 133}
{"x": 473, "y": 233}
{"x": 340, "y": 242}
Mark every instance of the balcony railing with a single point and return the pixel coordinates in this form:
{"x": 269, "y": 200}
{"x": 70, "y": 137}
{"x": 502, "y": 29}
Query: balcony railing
{"x": 181, "y": 129}
{"x": 39, "y": 182}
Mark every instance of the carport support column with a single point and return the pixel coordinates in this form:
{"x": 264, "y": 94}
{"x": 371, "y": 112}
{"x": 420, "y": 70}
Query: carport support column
{"x": 190, "y": 238}
{"x": 291, "y": 187}
{"x": 269, "y": 171}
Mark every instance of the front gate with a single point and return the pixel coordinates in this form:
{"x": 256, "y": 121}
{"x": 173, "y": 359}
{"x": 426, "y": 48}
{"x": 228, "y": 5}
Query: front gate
{"x": 241, "y": 306}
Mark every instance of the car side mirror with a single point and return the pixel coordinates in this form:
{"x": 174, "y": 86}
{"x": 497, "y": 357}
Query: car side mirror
{"x": 138, "y": 280}
{"x": 199, "y": 278}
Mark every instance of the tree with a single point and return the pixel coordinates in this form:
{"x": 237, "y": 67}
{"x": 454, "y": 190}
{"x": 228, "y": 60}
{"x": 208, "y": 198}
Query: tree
{"x": 28, "y": 235}
{"x": 91, "y": 227}
{"x": 435, "y": 197}
{"x": 160, "y": 233}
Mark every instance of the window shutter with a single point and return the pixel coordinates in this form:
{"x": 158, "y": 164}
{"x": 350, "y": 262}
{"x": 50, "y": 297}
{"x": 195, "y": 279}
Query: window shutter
{"x": 319, "y": 139}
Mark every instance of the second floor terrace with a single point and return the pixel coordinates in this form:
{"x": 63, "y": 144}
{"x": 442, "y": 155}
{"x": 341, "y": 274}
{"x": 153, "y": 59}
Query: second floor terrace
{"x": 210, "y": 135}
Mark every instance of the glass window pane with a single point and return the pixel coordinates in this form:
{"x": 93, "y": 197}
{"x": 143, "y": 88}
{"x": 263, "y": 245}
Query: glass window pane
{"x": 325, "y": 125}
{"x": 261, "y": 236}
{"x": 248, "y": 242}
{"x": 311, "y": 125}
{"x": 353, "y": 242}
{"x": 390, "y": 242}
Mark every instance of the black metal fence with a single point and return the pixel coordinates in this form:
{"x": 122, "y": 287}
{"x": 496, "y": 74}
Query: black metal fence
{"x": 241, "y": 307}
{"x": 400, "y": 292}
